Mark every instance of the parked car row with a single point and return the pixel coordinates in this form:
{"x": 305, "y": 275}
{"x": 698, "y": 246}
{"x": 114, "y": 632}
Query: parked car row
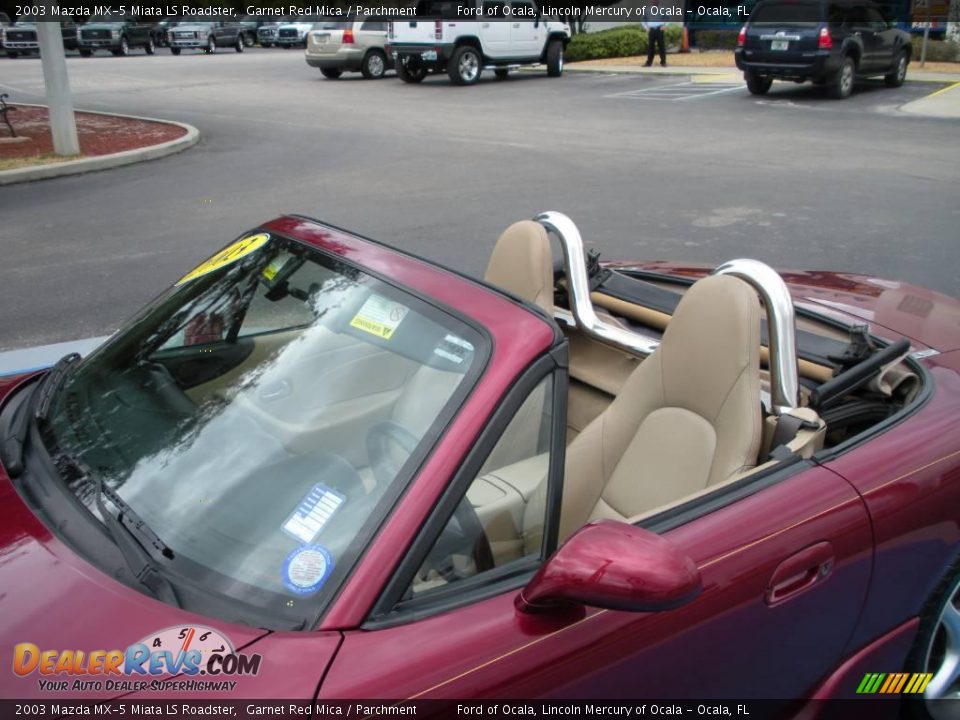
{"x": 120, "y": 34}
{"x": 463, "y": 50}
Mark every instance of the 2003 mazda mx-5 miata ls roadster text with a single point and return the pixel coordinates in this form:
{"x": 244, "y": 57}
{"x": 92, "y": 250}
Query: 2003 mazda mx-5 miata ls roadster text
{"x": 318, "y": 467}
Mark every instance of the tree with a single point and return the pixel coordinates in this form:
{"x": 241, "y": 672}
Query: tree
{"x": 63, "y": 124}
{"x": 953, "y": 21}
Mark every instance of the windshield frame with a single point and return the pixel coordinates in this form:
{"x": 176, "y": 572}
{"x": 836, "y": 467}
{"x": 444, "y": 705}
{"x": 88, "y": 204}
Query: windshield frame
{"x": 190, "y": 583}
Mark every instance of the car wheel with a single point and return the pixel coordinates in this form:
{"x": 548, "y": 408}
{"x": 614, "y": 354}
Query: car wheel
{"x": 331, "y": 73}
{"x": 899, "y": 73}
{"x": 86, "y": 53}
{"x": 757, "y": 84}
{"x": 238, "y": 46}
{"x": 175, "y": 50}
{"x": 555, "y": 58}
{"x": 410, "y": 73}
{"x": 151, "y": 47}
{"x": 11, "y": 54}
{"x": 211, "y": 45}
{"x": 937, "y": 651}
{"x": 374, "y": 65}
{"x": 842, "y": 84}
{"x": 501, "y": 73}
{"x": 465, "y": 65}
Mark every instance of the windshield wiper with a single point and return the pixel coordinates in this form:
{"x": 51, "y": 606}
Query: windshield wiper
{"x": 38, "y": 406}
{"x": 51, "y": 384}
{"x": 124, "y": 529}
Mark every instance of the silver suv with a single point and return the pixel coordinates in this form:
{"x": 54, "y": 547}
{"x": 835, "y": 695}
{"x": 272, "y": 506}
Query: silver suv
{"x": 349, "y": 46}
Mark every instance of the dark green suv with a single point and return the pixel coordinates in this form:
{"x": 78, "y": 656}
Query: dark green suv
{"x": 117, "y": 33}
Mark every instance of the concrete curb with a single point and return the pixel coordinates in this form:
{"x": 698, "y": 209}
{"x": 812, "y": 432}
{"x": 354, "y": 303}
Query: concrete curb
{"x": 944, "y": 103}
{"x": 104, "y": 162}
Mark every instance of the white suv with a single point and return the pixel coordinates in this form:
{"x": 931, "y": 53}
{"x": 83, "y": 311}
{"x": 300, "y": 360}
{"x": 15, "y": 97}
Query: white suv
{"x": 505, "y": 35}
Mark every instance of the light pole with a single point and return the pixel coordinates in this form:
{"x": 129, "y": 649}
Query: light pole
{"x": 63, "y": 125}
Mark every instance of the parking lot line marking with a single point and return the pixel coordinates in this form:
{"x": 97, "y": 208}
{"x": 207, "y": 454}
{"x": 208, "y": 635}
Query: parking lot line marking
{"x": 943, "y": 90}
{"x": 680, "y": 91}
{"x": 631, "y": 93}
{"x": 715, "y": 92}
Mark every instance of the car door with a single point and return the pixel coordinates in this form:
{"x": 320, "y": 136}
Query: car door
{"x": 887, "y": 38}
{"x": 494, "y": 29}
{"x": 526, "y": 30}
{"x": 784, "y": 558}
{"x": 871, "y": 42}
{"x": 135, "y": 31}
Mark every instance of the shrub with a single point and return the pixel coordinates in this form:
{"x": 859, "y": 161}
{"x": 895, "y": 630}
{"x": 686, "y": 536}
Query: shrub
{"x": 618, "y": 42}
{"x": 716, "y": 39}
{"x": 937, "y": 50}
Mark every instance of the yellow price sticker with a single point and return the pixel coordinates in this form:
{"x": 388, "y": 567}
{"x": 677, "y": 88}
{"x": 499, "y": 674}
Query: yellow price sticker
{"x": 228, "y": 255}
{"x": 379, "y": 316}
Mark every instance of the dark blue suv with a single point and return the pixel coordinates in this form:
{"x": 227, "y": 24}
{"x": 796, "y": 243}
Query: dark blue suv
{"x": 829, "y": 42}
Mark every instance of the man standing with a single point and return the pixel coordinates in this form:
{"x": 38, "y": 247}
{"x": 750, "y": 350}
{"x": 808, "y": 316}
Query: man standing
{"x": 654, "y": 30}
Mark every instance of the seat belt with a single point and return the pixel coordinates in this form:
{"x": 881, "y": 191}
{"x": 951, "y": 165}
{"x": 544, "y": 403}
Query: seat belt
{"x": 786, "y": 430}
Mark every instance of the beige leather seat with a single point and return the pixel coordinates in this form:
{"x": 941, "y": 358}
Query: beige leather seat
{"x": 688, "y": 417}
{"x": 521, "y": 264}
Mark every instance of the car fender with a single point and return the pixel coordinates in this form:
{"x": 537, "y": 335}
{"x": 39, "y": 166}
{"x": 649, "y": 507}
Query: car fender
{"x": 852, "y": 46}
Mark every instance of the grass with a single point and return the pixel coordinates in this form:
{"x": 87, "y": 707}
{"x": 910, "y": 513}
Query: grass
{"x": 45, "y": 159}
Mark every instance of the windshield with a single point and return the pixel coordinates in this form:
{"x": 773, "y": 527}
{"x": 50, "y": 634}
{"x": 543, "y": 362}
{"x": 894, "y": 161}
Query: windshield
{"x": 261, "y": 415}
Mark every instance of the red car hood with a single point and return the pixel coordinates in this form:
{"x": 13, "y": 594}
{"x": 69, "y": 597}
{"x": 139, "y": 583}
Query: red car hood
{"x": 923, "y": 316}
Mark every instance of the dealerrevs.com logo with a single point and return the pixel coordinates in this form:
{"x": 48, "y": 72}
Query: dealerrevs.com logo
{"x": 202, "y": 659}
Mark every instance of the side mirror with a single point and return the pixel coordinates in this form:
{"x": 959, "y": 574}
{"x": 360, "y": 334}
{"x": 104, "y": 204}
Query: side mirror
{"x": 613, "y": 565}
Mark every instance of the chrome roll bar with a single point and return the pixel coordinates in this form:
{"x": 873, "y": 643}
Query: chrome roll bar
{"x": 781, "y": 327}
{"x": 578, "y": 288}
{"x": 781, "y": 330}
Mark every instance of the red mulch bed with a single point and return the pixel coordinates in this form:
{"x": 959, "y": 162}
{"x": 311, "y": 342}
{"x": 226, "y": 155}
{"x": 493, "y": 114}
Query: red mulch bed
{"x": 98, "y": 134}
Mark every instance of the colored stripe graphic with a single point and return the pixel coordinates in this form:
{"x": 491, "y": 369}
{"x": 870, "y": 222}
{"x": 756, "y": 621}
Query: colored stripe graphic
{"x": 894, "y": 683}
{"x": 900, "y": 683}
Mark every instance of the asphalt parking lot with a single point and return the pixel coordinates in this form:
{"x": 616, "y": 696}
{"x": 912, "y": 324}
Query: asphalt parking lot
{"x": 649, "y": 167}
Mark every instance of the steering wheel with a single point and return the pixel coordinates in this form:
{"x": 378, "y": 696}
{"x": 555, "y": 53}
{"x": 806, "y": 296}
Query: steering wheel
{"x": 380, "y": 438}
{"x": 463, "y": 535}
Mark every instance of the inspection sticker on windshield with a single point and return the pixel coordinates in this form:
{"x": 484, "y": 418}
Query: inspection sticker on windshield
{"x": 313, "y": 513}
{"x": 453, "y": 348}
{"x": 230, "y": 254}
{"x": 306, "y": 569}
{"x": 379, "y": 316}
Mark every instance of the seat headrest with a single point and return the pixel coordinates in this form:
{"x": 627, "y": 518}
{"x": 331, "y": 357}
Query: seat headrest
{"x": 521, "y": 264}
{"x": 713, "y": 337}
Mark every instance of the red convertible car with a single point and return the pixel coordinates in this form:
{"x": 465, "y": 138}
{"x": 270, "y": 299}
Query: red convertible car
{"x": 318, "y": 467}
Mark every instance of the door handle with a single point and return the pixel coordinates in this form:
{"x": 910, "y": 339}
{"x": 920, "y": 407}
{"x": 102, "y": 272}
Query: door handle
{"x": 516, "y": 25}
{"x": 799, "y": 572}
{"x": 484, "y": 25}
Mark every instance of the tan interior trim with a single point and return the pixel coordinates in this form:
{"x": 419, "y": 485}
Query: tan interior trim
{"x": 660, "y": 320}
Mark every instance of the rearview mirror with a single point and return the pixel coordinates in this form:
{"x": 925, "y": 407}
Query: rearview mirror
{"x": 613, "y": 565}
